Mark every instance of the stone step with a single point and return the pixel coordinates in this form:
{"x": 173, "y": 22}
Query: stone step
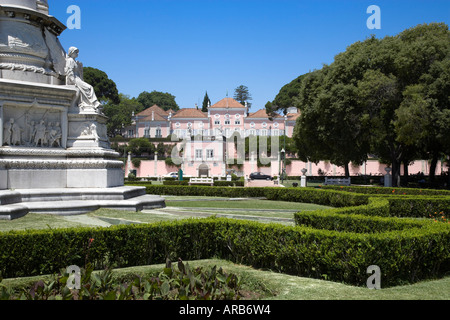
{"x": 118, "y": 193}
{"x": 9, "y": 197}
{"x": 71, "y": 202}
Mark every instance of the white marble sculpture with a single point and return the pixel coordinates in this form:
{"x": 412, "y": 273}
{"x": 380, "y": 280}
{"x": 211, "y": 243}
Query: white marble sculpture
{"x": 53, "y": 133}
{"x": 12, "y": 133}
{"x": 74, "y": 76}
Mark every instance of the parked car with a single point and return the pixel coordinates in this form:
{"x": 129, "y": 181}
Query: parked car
{"x": 171, "y": 175}
{"x": 260, "y": 176}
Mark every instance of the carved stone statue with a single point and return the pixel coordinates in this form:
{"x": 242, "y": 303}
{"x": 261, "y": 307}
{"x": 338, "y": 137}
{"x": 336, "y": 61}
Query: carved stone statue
{"x": 74, "y": 76}
{"x": 12, "y": 133}
{"x": 55, "y": 135}
{"x": 32, "y": 132}
{"x": 40, "y": 135}
{"x": 7, "y": 133}
{"x": 16, "y": 137}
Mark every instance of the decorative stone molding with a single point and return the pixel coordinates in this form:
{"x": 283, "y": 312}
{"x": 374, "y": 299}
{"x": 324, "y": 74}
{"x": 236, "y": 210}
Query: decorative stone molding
{"x": 71, "y": 153}
{"x": 21, "y": 164}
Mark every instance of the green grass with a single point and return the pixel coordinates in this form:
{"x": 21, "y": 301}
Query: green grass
{"x": 38, "y": 221}
{"x": 116, "y": 216}
{"x": 268, "y": 285}
{"x": 247, "y": 204}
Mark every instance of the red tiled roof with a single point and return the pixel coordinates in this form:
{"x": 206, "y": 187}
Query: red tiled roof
{"x": 154, "y": 108}
{"x": 189, "y": 114}
{"x": 293, "y": 116}
{"x": 156, "y": 117}
{"x": 227, "y": 102}
{"x": 262, "y": 114}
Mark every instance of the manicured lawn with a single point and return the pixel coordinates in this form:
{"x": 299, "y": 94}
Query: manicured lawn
{"x": 246, "y": 204}
{"x": 38, "y": 221}
{"x": 177, "y": 208}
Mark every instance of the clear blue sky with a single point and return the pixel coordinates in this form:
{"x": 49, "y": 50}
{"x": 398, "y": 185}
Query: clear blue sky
{"x": 187, "y": 47}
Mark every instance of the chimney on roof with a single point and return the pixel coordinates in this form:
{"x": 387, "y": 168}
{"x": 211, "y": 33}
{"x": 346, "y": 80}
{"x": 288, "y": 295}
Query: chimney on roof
{"x": 153, "y": 115}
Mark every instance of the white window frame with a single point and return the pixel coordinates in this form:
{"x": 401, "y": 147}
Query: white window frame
{"x": 198, "y": 154}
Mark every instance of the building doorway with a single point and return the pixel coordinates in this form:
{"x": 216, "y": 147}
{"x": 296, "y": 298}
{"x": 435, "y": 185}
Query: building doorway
{"x": 203, "y": 170}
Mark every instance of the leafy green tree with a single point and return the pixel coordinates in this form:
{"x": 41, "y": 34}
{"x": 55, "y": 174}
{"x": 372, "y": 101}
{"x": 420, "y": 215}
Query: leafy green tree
{"x": 105, "y": 88}
{"x": 285, "y": 98}
{"x": 161, "y": 149}
{"x": 242, "y": 95}
{"x": 120, "y": 115}
{"x": 165, "y": 101}
{"x": 423, "y": 63}
{"x": 330, "y": 119}
{"x": 389, "y": 97}
{"x": 206, "y": 103}
{"x": 139, "y": 146}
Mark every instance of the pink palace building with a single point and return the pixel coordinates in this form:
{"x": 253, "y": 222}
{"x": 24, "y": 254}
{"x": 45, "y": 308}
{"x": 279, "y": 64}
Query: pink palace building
{"x": 206, "y": 143}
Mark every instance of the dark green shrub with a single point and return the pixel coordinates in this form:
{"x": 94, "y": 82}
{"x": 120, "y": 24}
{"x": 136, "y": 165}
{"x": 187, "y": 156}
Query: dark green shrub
{"x": 389, "y": 191}
{"x": 304, "y": 195}
{"x": 234, "y": 183}
{"x": 409, "y": 254}
{"x": 371, "y": 218}
{"x": 418, "y": 207}
{"x": 176, "y": 183}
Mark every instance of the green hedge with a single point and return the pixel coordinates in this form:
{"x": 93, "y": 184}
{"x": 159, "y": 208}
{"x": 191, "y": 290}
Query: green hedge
{"x": 337, "y": 244}
{"x": 418, "y": 207}
{"x": 371, "y": 218}
{"x": 216, "y": 183}
{"x": 404, "y": 256}
{"x": 304, "y": 195}
{"x": 397, "y": 206}
{"x": 176, "y": 183}
{"x": 389, "y": 191}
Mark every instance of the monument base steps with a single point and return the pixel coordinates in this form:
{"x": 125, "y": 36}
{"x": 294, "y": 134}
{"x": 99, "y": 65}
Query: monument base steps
{"x": 15, "y": 204}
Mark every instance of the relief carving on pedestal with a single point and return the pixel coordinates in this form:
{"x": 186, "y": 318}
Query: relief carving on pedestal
{"x": 32, "y": 132}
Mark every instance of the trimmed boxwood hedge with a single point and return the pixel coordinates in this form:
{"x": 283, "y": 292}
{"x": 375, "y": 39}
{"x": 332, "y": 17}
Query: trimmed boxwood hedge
{"x": 404, "y": 256}
{"x": 337, "y": 244}
{"x": 371, "y": 218}
{"x": 217, "y": 183}
{"x": 398, "y": 206}
{"x": 304, "y": 195}
{"x": 389, "y": 191}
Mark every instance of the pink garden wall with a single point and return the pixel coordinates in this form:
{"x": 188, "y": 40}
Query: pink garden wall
{"x": 159, "y": 168}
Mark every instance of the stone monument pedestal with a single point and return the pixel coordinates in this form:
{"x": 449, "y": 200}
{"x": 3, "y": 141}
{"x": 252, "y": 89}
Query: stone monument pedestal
{"x": 48, "y": 143}
{"x": 54, "y": 146}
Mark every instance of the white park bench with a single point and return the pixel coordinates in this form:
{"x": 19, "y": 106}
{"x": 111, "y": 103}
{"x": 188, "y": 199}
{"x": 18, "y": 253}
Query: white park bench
{"x": 209, "y": 181}
{"x": 338, "y": 181}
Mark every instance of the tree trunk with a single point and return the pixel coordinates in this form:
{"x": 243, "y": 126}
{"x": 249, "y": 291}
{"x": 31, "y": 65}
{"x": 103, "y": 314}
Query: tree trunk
{"x": 448, "y": 177}
{"x": 395, "y": 172}
{"x": 406, "y": 173}
{"x": 347, "y": 170}
{"x": 433, "y": 167}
